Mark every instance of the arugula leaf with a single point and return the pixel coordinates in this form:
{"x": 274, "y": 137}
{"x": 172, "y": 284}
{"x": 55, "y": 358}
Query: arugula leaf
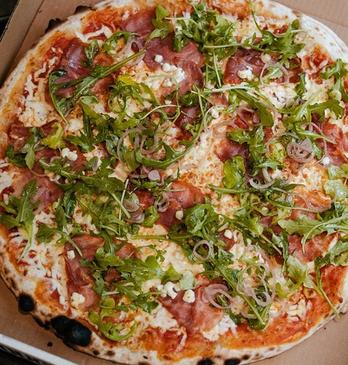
{"x": 219, "y": 267}
{"x": 151, "y": 217}
{"x": 111, "y": 329}
{"x": 234, "y": 173}
{"x": 260, "y": 157}
{"x": 338, "y": 172}
{"x": 338, "y": 256}
{"x": 338, "y": 71}
{"x": 264, "y": 114}
{"x": 298, "y": 273}
{"x": 18, "y": 159}
{"x": 91, "y": 51}
{"x": 125, "y": 91}
{"x": 61, "y": 104}
{"x": 309, "y": 228}
{"x": 284, "y": 44}
{"x": 211, "y": 30}
{"x": 81, "y": 86}
{"x": 171, "y": 275}
{"x": 301, "y": 86}
{"x": 26, "y": 155}
{"x": 20, "y": 213}
{"x": 162, "y": 26}
{"x": 301, "y": 225}
{"x": 302, "y": 114}
{"x": 336, "y": 189}
{"x": 171, "y": 155}
{"x": 110, "y": 46}
{"x": 55, "y": 140}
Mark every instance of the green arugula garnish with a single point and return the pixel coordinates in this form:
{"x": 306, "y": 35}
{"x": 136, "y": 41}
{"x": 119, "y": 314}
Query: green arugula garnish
{"x": 19, "y": 212}
{"x": 82, "y": 86}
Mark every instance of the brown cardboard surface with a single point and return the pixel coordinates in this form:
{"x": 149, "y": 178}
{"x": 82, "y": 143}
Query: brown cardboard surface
{"x": 29, "y": 22}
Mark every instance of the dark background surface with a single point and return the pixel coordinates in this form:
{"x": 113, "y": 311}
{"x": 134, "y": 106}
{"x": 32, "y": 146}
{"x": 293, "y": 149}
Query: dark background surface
{"x": 6, "y": 7}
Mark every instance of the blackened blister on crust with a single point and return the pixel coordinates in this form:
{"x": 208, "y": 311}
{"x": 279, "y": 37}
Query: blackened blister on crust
{"x": 206, "y": 361}
{"x": 71, "y": 331}
{"x": 233, "y": 361}
{"x": 26, "y": 303}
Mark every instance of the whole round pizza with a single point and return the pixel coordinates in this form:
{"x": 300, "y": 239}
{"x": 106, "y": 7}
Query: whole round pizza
{"x": 173, "y": 180}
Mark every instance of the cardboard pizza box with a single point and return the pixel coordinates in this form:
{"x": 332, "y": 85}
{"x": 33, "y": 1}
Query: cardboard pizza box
{"x": 20, "y": 334}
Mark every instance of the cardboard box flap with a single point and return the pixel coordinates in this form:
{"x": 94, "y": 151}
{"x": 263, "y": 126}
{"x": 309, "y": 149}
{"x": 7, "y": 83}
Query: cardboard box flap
{"x": 21, "y": 35}
{"x": 15, "y": 32}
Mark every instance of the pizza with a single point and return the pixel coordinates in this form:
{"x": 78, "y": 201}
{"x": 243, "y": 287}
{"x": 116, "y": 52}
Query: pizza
{"x": 174, "y": 181}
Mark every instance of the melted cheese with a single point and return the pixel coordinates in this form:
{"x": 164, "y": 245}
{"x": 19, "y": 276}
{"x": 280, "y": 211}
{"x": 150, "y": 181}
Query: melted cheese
{"x": 280, "y": 95}
{"x": 160, "y": 318}
{"x": 226, "y": 324}
{"x": 5, "y": 180}
{"x": 104, "y": 30}
{"x": 35, "y": 111}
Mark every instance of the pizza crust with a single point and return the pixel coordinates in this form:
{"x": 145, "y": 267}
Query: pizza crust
{"x": 105, "y": 349}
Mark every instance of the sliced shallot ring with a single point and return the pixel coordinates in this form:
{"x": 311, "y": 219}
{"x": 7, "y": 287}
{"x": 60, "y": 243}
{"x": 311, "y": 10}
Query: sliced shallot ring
{"x": 130, "y": 205}
{"x": 154, "y": 175}
{"x": 137, "y": 217}
{"x": 300, "y": 152}
{"x": 211, "y": 291}
{"x": 162, "y": 204}
{"x": 257, "y": 185}
{"x": 210, "y": 250}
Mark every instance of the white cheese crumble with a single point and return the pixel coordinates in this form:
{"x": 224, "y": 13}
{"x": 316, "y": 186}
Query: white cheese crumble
{"x": 214, "y": 113}
{"x": 77, "y": 299}
{"x": 189, "y": 296}
{"x": 70, "y": 155}
{"x": 326, "y": 161}
{"x": 179, "y": 214}
{"x": 5, "y": 181}
{"x": 246, "y": 74}
{"x": 298, "y": 310}
{"x": 170, "y": 289}
{"x": 177, "y": 74}
{"x": 221, "y": 328}
{"x": 158, "y": 58}
{"x": 75, "y": 125}
{"x": 167, "y": 67}
{"x": 71, "y": 254}
{"x": 228, "y": 234}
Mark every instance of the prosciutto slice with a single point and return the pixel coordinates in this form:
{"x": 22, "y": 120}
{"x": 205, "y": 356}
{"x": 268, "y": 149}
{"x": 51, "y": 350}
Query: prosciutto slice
{"x": 242, "y": 60}
{"x": 139, "y": 23}
{"x": 188, "y": 115}
{"x": 195, "y": 317}
{"x": 18, "y": 135}
{"x": 337, "y": 151}
{"x": 74, "y": 63}
{"x": 47, "y": 191}
{"x": 79, "y": 278}
{"x": 183, "y": 195}
{"x": 189, "y": 59}
{"x": 227, "y": 149}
